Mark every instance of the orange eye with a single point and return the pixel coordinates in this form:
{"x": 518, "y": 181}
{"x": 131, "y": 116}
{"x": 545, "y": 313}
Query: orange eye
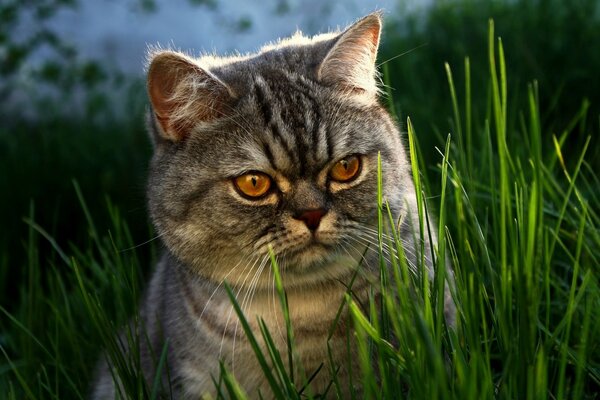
{"x": 346, "y": 169}
{"x": 253, "y": 184}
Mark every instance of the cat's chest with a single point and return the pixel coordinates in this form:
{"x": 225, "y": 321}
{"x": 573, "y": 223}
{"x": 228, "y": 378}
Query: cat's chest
{"x": 319, "y": 321}
{"x": 313, "y": 310}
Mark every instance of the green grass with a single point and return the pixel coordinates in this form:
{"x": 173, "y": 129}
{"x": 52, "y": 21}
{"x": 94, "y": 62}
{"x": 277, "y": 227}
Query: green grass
{"x": 550, "y": 41}
{"x": 517, "y": 213}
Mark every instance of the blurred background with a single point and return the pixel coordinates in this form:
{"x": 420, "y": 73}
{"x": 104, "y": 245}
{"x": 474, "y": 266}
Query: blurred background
{"x": 72, "y": 90}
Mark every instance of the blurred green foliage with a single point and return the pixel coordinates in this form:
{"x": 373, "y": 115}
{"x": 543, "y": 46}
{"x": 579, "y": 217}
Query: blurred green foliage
{"x": 554, "y": 42}
{"x": 59, "y": 125}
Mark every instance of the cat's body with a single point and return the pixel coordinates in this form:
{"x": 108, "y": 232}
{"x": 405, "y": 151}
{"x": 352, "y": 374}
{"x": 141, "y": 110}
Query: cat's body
{"x": 277, "y": 150}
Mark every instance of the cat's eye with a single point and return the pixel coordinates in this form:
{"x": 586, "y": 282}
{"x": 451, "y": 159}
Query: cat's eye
{"x": 346, "y": 169}
{"x": 253, "y": 184}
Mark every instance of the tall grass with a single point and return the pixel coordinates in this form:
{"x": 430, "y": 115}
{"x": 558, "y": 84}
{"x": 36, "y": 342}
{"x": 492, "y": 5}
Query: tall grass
{"x": 518, "y": 218}
{"x": 524, "y": 247}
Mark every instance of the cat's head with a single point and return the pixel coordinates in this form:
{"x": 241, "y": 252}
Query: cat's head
{"x": 275, "y": 149}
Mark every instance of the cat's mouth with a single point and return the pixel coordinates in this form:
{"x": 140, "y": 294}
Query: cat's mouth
{"x": 322, "y": 254}
{"x": 314, "y": 253}
{"x": 312, "y": 247}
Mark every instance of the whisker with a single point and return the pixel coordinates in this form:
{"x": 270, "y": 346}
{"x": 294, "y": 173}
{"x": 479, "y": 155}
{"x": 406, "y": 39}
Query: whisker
{"x": 386, "y": 252}
{"x": 401, "y": 54}
{"x": 142, "y": 244}
{"x": 407, "y": 245}
{"x": 219, "y": 285}
{"x": 231, "y": 307}
{"x": 246, "y": 303}
{"x": 277, "y": 323}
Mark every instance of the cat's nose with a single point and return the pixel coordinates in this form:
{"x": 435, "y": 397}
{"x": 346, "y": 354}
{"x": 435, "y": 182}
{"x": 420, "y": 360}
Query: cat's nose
{"x": 311, "y": 218}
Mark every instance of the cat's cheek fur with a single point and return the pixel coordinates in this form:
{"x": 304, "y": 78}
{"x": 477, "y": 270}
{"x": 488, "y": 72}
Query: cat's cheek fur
{"x": 205, "y": 241}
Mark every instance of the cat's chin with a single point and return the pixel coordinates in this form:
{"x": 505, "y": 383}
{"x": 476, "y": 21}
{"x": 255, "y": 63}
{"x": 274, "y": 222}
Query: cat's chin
{"x": 316, "y": 262}
{"x": 310, "y": 256}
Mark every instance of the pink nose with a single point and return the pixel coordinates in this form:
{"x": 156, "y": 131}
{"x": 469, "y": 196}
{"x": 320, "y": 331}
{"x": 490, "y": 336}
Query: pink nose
{"x": 312, "y": 218}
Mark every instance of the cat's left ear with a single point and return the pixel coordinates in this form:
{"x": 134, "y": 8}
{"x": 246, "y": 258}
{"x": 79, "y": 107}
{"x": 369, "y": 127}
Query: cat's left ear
{"x": 350, "y": 64}
{"x": 184, "y": 94}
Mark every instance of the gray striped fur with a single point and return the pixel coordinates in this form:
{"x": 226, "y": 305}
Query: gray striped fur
{"x": 291, "y": 111}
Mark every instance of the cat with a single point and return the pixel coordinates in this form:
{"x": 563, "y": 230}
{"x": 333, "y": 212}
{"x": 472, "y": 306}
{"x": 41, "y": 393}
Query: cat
{"x": 274, "y": 151}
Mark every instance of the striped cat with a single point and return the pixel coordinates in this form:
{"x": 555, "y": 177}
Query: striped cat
{"x": 272, "y": 150}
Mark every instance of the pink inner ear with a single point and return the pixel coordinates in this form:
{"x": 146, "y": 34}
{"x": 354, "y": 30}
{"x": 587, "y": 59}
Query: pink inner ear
{"x": 364, "y": 37}
{"x": 350, "y": 64}
{"x": 166, "y": 72}
{"x": 372, "y": 40}
{"x": 161, "y": 86}
{"x": 179, "y": 102}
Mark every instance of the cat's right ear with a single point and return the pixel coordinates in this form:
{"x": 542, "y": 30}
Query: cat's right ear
{"x": 350, "y": 64}
{"x": 183, "y": 95}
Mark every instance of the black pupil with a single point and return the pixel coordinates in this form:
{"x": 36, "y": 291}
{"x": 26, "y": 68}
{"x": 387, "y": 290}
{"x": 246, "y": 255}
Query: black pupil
{"x": 254, "y": 180}
{"x": 345, "y": 164}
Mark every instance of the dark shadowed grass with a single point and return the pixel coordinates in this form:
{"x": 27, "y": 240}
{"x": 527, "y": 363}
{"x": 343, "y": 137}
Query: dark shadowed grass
{"x": 40, "y": 158}
{"x": 516, "y": 213}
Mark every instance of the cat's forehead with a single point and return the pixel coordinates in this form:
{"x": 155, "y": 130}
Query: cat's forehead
{"x": 297, "y": 57}
{"x": 288, "y": 119}
{"x": 292, "y": 121}
{"x": 297, "y": 132}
